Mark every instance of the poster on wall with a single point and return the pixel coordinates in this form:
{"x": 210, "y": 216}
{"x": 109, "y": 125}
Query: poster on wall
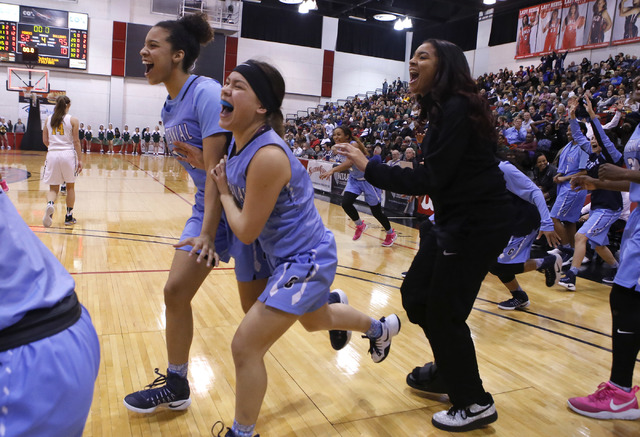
{"x": 597, "y": 32}
{"x": 625, "y": 22}
{"x": 550, "y": 27}
{"x": 574, "y": 13}
{"x": 526, "y": 44}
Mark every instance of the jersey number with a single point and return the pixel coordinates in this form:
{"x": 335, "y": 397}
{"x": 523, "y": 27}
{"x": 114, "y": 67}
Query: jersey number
{"x": 59, "y": 130}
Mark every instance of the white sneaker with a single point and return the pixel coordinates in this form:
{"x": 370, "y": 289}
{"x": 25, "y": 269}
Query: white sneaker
{"x": 465, "y": 419}
{"x": 47, "y": 220}
{"x": 379, "y": 347}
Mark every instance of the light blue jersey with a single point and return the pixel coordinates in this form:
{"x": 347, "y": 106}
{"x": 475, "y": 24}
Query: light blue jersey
{"x": 357, "y": 185}
{"x": 31, "y": 276}
{"x": 518, "y": 249}
{"x": 572, "y": 159}
{"x": 47, "y": 384}
{"x": 193, "y": 115}
{"x": 629, "y": 270}
{"x": 301, "y": 252}
{"x": 632, "y": 160}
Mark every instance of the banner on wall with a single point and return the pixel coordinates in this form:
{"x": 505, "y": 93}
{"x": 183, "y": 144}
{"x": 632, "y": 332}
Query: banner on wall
{"x": 625, "y": 22}
{"x": 599, "y": 23}
{"x": 574, "y": 13}
{"x": 572, "y": 25}
{"x": 550, "y": 27}
{"x": 527, "y": 41}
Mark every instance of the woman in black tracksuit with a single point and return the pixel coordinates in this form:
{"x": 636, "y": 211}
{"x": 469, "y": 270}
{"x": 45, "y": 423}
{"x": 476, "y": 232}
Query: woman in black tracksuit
{"x": 472, "y": 224}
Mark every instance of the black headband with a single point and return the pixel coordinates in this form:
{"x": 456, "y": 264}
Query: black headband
{"x": 260, "y": 85}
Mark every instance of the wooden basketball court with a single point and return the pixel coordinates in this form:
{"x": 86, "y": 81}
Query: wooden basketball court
{"x": 130, "y": 209}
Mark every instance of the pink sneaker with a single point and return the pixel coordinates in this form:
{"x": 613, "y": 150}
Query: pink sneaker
{"x": 389, "y": 239}
{"x": 608, "y": 402}
{"x": 4, "y": 185}
{"x": 359, "y": 230}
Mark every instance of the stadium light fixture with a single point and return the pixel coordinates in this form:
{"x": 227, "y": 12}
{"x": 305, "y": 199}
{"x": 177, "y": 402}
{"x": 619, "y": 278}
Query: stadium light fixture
{"x": 384, "y": 17}
{"x": 303, "y": 8}
{"x": 291, "y": 2}
{"x": 399, "y": 25}
{"x": 486, "y": 2}
{"x": 407, "y": 23}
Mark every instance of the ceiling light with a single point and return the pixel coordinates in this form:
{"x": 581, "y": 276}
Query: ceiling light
{"x": 291, "y": 2}
{"x": 312, "y": 5}
{"x": 355, "y": 17}
{"x": 486, "y": 2}
{"x": 398, "y": 24}
{"x": 407, "y": 23}
{"x": 384, "y": 17}
{"x": 303, "y": 8}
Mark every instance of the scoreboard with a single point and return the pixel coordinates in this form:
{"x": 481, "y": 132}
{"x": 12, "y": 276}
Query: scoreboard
{"x": 60, "y": 36}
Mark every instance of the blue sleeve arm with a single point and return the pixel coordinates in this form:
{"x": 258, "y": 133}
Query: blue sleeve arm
{"x": 523, "y": 187}
{"x": 578, "y": 136}
{"x": 609, "y": 150}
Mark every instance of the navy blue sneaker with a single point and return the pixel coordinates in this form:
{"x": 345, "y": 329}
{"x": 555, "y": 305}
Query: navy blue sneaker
{"x": 339, "y": 339}
{"x": 610, "y": 277}
{"x": 170, "y": 390}
{"x": 552, "y": 269}
{"x": 229, "y": 432}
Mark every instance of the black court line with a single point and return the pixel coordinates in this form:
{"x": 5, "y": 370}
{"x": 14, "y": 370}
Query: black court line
{"x": 36, "y": 228}
{"x": 76, "y": 234}
{"x": 503, "y": 316}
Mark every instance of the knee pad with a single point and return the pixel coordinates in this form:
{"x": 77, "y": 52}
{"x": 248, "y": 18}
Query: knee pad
{"x": 506, "y": 272}
{"x": 625, "y": 308}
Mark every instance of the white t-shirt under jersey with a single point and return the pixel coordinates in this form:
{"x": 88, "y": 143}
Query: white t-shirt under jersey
{"x": 60, "y": 138}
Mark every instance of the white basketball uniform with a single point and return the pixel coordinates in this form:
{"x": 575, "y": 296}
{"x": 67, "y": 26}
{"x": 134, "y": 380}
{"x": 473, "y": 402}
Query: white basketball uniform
{"x": 61, "y": 162}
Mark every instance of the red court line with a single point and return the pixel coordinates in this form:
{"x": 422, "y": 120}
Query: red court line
{"x": 137, "y": 271}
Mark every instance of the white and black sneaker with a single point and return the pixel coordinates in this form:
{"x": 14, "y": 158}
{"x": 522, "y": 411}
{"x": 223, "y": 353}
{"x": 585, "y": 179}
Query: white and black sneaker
{"x": 170, "y": 391}
{"x": 514, "y": 304}
{"x": 339, "y": 339}
{"x": 379, "y": 347}
{"x": 47, "y": 219}
{"x": 465, "y": 419}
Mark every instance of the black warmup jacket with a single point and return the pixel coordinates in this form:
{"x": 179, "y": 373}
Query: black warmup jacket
{"x": 460, "y": 174}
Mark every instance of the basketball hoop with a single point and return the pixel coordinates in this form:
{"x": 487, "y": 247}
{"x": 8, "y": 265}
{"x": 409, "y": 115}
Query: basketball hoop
{"x": 26, "y": 91}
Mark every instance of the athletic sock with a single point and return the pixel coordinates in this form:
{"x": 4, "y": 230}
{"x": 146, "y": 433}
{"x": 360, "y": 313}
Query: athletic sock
{"x": 574, "y": 270}
{"x": 242, "y": 430}
{"x": 519, "y": 293}
{"x": 50, "y": 202}
{"x": 627, "y": 389}
{"x": 539, "y": 262}
{"x": 358, "y": 222}
{"x": 390, "y": 231}
{"x": 614, "y": 265}
{"x": 180, "y": 369}
{"x": 69, "y": 210}
{"x": 375, "y": 331}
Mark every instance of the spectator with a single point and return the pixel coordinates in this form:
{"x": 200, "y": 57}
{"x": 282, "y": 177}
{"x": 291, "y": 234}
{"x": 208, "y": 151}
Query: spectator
{"x": 19, "y": 127}
{"x": 543, "y": 175}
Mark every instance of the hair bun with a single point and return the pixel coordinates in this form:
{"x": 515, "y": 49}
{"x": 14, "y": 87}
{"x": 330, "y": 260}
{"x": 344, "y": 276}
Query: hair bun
{"x": 198, "y": 25}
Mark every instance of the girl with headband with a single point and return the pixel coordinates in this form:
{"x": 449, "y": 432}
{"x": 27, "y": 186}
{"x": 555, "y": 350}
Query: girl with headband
{"x": 267, "y": 196}
{"x": 190, "y": 115}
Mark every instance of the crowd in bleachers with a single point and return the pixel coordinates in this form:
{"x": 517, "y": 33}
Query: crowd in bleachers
{"x": 530, "y": 107}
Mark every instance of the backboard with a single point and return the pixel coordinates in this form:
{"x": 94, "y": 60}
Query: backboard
{"x": 20, "y": 79}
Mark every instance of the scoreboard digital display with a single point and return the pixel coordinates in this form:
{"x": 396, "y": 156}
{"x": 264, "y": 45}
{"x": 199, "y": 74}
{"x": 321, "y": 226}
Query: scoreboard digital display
{"x": 60, "y": 36}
